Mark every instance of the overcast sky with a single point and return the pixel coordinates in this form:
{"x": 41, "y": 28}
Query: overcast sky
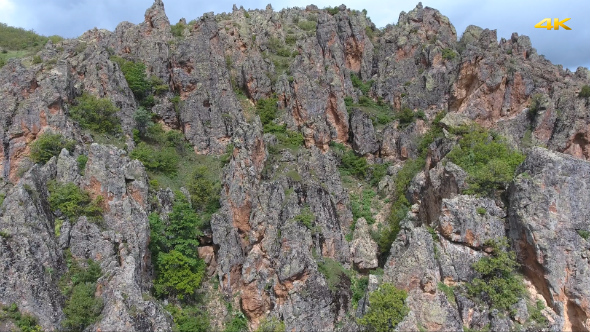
{"x": 571, "y": 48}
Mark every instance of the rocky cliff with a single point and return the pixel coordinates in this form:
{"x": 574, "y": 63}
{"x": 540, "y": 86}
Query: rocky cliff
{"x": 320, "y": 158}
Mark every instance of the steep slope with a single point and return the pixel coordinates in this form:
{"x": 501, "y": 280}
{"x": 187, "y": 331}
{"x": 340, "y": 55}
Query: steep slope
{"x": 342, "y": 150}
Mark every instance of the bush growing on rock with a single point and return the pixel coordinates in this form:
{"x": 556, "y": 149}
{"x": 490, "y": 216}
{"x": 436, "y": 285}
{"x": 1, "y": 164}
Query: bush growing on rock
{"x": 48, "y": 145}
{"x": 387, "y": 308}
{"x": 73, "y": 202}
{"x": 78, "y": 284}
{"x": 179, "y": 270}
{"x": 25, "y": 322}
{"x": 585, "y": 92}
{"x": 96, "y": 114}
{"x": 499, "y": 284}
{"x": 162, "y": 160}
{"x": 487, "y": 158}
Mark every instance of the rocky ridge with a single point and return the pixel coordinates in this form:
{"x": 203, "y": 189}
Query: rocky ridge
{"x": 290, "y": 219}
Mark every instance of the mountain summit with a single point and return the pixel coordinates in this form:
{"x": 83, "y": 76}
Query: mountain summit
{"x": 298, "y": 170}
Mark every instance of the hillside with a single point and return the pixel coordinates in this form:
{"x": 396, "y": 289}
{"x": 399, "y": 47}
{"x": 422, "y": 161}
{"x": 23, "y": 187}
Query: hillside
{"x": 298, "y": 170}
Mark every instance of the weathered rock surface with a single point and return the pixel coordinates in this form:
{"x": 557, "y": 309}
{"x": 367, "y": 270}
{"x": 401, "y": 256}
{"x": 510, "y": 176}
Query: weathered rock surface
{"x": 285, "y": 211}
{"x": 548, "y": 209}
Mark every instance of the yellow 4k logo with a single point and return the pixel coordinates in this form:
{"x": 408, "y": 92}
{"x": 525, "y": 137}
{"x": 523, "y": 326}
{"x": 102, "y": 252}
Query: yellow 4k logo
{"x": 556, "y": 24}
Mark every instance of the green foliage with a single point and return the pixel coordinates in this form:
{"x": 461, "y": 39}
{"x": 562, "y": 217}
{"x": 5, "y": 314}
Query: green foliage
{"x": 306, "y": 217}
{"x": 177, "y": 29}
{"x": 238, "y": 323}
{"x": 536, "y": 315}
{"x": 585, "y": 234}
{"x": 332, "y": 10}
{"x": 448, "y": 291}
{"x": 481, "y": 211}
{"x": 37, "y": 60}
{"x": 333, "y": 271}
{"x": 189, "y": 319}
{"x": 378, "y": 172}
{"x": 178, "y": 274}
{"x": 271, "y": 325}
{"x": 204, "y": 191}
{"x": 406, "y": 116}
{"x": 290, "y": 39}
{"x": 48, "y": 145}
{"x": 307, "y": 25}
{"x": 448, "y": 54}
{"x": 2, "y": 62}
{"x": 359, "y": 288}
{"x": 96, "y": 114}
{"x": 25, "y": 322}
{"x": 2, "y": 197}
{"x": 361, "y": 206}
{"x": 163, "y": 160}
{"x": 387, "y": 308}
{"x": 16, "y": 39}
{"x": 268, "y": 110}
{"x": 585, "y": 92}
{"x": 79, "y": 285}
{"x": 487, "y": 158}
{"x": 82, "y": 308}
{"x": 365, "y": 87}
{"x": 179, "y": 270}
{"x": 82, "y": 160}
{"x": 499, "y": 284}
{"x": 73, "y": 202}
{"x": 354, "y": 165}
{"x": 433, "y": 233}
{"x": 135, "y": 75}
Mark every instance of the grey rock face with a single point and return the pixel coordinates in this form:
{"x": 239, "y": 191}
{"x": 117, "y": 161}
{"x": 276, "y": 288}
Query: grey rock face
{"x": 362, "y": 133}
{"x": 548, "y": 208}
{"x": 471, "y": 221}
{"x": 363, "y": 249}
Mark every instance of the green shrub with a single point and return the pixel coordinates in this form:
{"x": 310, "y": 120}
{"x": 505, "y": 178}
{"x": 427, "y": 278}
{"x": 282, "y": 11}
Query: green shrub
{"x": 332, "y": 271}
{"x": 361, "y": 208}
{"x": 179, "y": 270}
{"x": 136, "y": 78}
{"x": 48, "y": 145}
{"x": 365, "y": 87}
{"x": 354, "y": 165}
{"x": 82, "y": 160}
{"x": 177, "y": 29}
{"x": 359, "y": 288}
{"x": 448, "y": 54}
{"x": 161, "y": 160}
{"x": 82, "y": 308}
{"x": 2, "y": 62}
{"x": 306, "y": 217}
{"x": 267, "y": 110}
{"x": 499, "y": 284}
{"x": 307, "y": 25}
{"x": 487, "y": 158}
{"x": 37, "y": 59}
{"x": 189, "y": 319}
{"x": 481, "y": 211}
{"x": 25, "y": 322}
{"x": 78, "y": 284}
{"x": 178, "y": 274}
{"x": 585, "y": 92}
{"x": 387, "y": 308}
{"x": 238, "y": 323}
{"x": 73, "y": 202}
{"x": 143, "y": 121}
{"x": 332, "y": 10}
{"x": 448, "y": 291}
{"x": 271, "y": 325}
{"x": 96, "y": 114}
{"x": 584, "y": 233}
{"x": 204, "y": 191}
{"x": 290, "y": 39}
